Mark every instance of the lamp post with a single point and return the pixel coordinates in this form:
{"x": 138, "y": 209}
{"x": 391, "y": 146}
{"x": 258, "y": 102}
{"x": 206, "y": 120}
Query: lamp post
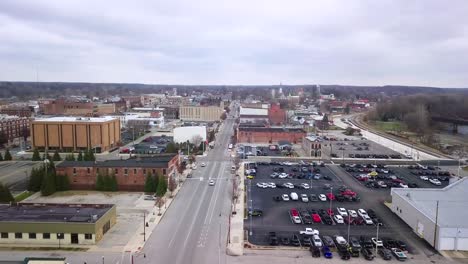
{"x": 349, "y": 224}
{"x": 377, "y": 238}
{"x": 144, "y": 226}
{"x": 251, "y": 205}
{"x": 102, "y": 259}
{"x": 331, "y": 193}
{"x": 46, "y": 164}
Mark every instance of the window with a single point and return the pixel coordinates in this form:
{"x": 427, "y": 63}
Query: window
{"x": 134, "y": 171}
{"x": 144, "y": 171}
{"x": 46, "y": 236}
{"x": 32, "y": 235}
{"x": 4, "y": 235}
{"x": 18, "y": 235}
{"x": 88, "y": 236}
{"x": 74, "y": 170}
{"x": 88, "y": 170}
{"x": 116, "y": 171}
{"x": 154, "y": 171}
{"x": 164, "y": 171}
{"x": 125, "y": 171}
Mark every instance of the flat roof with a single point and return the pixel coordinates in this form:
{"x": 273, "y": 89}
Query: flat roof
{"x": 271, "y": 129}
{"x": 45, "y": 212}
{"x": 60, "y": 119}
{"x": 156, "y": 161}
{"x": 245, "y": 111}
{"x": 453, "y": 202}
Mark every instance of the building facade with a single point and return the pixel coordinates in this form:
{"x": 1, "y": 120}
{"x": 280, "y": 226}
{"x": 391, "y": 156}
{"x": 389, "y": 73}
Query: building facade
{"x": 55, "y": 225}
{"x": 269, "y": 134}
{"x": 312, "y": 147}
{"x": 201, "y": 113}
{"x": 276, "y": 115}
{"x": 12, "y": 127}
{"x": 130, "y": 174}
{"x": 21, "y": 111}
{"x": 436, "y": 215}
{"x": 69, "y": 134}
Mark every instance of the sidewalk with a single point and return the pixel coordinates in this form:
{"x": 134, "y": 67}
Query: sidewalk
{"x": 235, "y": 246}
{"x": 136, "y": 243}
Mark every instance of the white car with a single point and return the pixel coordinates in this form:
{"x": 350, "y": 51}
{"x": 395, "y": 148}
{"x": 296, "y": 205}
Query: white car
{"x": 402, "y": 185}
{"x": 322, "y": 197}
{"x": 342, "y": 211}
{"x": 309, "y": 232}
{"x": 424, "y": 178}
{"x": 211, "y": 182}
{"x": 338, "y": 219}
{"x": 294, "y": 196}
{"x": 262, "y": 185}
{"x": 367, "y": 220}
{"x": 361, "y": 212}
{"x": 194, "y": 167}
{"x": 305, "y": 186}
{"x": 385, "y": 171}
{"x": 340, "y": 240}
{"x": 352, "y": 213}
{"x": 317, "y": 241}
{"x": 296, "y": 220}
{"x": 435, "y": 182}
{"x": 274, "y": 175}
{"x": 285, "y": 197}
{"x": 377, "y": 242}
{"x": 288, "y": 185}
{"x": 304, "y": 198}
{"x": 271, "y": 185}
{"x": 203, "y": 165}
{"x": 283, "y": 175}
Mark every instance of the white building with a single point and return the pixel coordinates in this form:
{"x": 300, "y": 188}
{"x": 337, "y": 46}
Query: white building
{"x": 437, "y": 215}
{"x": 253, "y": 115}
{"x": 182, "y": 134}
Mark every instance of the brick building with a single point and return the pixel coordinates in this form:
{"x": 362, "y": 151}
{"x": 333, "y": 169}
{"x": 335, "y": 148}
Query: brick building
{"x": 12, "y": 127}
{"x": 312, "y": 147}
{"x": 75, "y": 133}
{"x": 130, "y": 173}
{"x": 276, "y": 115}
{"x": 21, "y": 111}
{"x": 269, "y": 134}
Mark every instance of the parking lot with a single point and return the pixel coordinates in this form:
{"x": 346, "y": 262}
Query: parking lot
{"x": 15, "y": 174}
{"x": 362, "y": 149}
{"x": 256, "y": 150}
{"x": 381, "y": 177}
{"x": 276, "y": 214}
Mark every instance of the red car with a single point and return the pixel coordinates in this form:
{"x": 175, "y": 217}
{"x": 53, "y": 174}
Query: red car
{"x": 330, "y": 196}
{"x": 316, "y": 218}
{"x": 330, "y": 212}
{"x": 294, "y": 212}
{"x": 348, "y": 193}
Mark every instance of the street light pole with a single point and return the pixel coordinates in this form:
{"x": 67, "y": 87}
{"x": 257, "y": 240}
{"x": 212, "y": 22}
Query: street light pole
{"x": 377, "y": 238}
{"x": 349, "y": 224}
{"x": 144, "y": 226}
{"x": 331, "y": 193}
{"x": 251, "y": 205}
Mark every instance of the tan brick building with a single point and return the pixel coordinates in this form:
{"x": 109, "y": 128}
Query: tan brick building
{"x": 69, "y": 134}
{"x": 269, "y": 134}
{"x": 12, "y": 127}
{"x": 130, "y": 173}
{"x": 201, "y": 113}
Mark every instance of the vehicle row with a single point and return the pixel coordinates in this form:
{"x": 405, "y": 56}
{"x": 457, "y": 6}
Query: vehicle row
{"x": 386, "y": 248}
{"x": 334, "y": 217}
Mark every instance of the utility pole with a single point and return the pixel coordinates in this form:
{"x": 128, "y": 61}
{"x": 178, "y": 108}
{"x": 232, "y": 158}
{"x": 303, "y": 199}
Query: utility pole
{"x": 144, "y": 226}
{"x": 331, "y": 193}
{"x": 251, "y": 205}
{"x": 436, "y": 223}
{"x": 377, "y": 239}
{"x": 349, "y": 224}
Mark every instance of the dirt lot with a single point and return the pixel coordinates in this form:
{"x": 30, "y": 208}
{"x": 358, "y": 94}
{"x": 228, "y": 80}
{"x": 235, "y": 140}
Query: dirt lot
{"x": 130, "y": 209}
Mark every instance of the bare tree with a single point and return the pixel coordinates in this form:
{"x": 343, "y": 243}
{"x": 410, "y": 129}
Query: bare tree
{"x": 159, "y": 202}
{"x": 196, "y": 140}
{"x": 172, "y": 185}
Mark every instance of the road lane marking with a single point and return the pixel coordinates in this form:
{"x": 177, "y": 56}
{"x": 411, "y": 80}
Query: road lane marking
{"x": 215, "y": 201}
{"x": 216, "y": 192}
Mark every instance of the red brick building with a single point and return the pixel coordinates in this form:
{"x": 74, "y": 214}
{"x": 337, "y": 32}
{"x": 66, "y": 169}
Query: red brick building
{"x": 12, "y": 127}
{"x": 269, "y": 134}
{"x": 130, "y": 173}
{"x": 276, "y": 115}
{"x": 21, "y": 111}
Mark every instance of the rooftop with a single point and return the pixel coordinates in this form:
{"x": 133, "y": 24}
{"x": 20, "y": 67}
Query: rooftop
{"x": 30, "y": 212}
{"x": 157, "y": 161}
{"x": 453, "y": 202}
{"x": 271, "y": 129}
{"x": 253, "y": 111}
{"x": 60, "y": 119}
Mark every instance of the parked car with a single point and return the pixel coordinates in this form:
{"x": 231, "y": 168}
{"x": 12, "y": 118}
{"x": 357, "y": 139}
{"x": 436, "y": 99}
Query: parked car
{"x": 343, "y": 252}
{"x": 366, "y": 242}
{"x": 315, "y": 251}
{"x": 313, "y": 198}
{"x": 327, "y": 253}
{"x": 338, "y": 219}
{"x": 342, "y": 211}
{"x": 309, "y": 232}
{"x": 386, "y": 254}
{"x": 285, "y": 241}
{"x": 285, "y": 197}
{"x": 307, "y": 242}
{"x": 304, "y": 198}
{"x": 367, "y": 253}
{"x": 322, "y": 197}
{"x": 435, "y": 182}
{"x": 317, "y": 241}
{"x": 256, "y": 212}
{"x": 352, "y": 213}
{"x": 340, "y": 241}
{"x": 273, "y": 239}
{"x": 377, "y": 242}
{"x": 328, "y": 241}
{"x": 399, "y": 254}
{"x": 294, "y": 196}
{"x": 295, "y": 240}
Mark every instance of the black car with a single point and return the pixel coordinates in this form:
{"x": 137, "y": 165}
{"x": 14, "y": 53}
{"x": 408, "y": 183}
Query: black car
{"x": 326, "y": 177}
{"x": 277, "y": 198}
{"x": 307, "y": 242}
{"x": 285, "y": 241}
{"x": 386, "y": 254}
{"x": 327, "y": 220}
{"x": 343, "y": 252}
{"x": 315, "y": 251}
{"x": 339, "y": 198}
{"x": 307, "y": 219}
{"x": 371, "y": 213}
{"x": 354, "y": 243}
{"x": 401, "y": 245}
{"x": 367, "y": 253}
{"x": 366, "y": 242}
{"x": 256, "y": 212}
{"x": 273, "y": 239}
{"x": 413, "y": 185}
{"x": 295, "y": 240}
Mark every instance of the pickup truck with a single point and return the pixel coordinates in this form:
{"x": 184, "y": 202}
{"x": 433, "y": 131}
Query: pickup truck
{"x": 309, "y": 232}
{"x": 400, "y": 255}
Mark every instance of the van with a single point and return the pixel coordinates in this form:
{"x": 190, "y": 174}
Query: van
{"x": 294, "y": 196}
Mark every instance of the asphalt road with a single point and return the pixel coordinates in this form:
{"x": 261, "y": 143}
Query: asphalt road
{"x": 194, "y": 228}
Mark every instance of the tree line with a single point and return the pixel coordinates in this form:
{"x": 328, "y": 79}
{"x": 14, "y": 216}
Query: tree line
{"x": 87, "y": 155}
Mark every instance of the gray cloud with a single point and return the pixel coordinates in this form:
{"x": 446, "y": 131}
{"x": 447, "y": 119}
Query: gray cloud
{"x": 236, "y": 42}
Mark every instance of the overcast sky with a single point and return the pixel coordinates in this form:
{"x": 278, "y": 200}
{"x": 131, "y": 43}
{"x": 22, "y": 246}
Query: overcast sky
{"x": 236, "y": 42}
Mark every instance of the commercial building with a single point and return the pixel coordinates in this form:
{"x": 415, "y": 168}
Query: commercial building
{"x": 69, "y": 134}
{"x": 253, "y": 116}
{"x": 276, "y": 115}
{"x": 189, "y": 133}
{"x": 269, "y": 134}
{"x": 312, "y": 146}
{"x": 21, "y": 111}
{"x": 439, "y": 216}
{"x": 39, "y": 224}
{"x": 130, "y": 174}
{"x": 12, "y": 127}
{"x": 201, "y": 113}
{"x": 75, "y": 107}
